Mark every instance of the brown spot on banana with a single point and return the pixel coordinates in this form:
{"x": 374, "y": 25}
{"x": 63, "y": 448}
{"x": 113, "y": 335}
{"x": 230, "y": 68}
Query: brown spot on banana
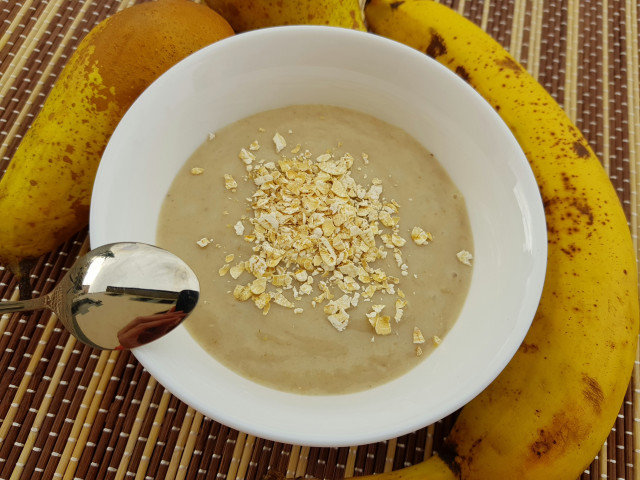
{"x": 584, "y": 209}
{"x": 571, "y": 250}
{"x": 395, "y": 5}
{"x": 352, "y": 14}
{"x": 593, "y": 392}
{"x": 80, "y": 209}
{"x": 510, "y": 63}
{"x": 529, "y": 348}
{"x": 457, "y": 463}
{"x": 553, "y": 440}
{"x": 436, "y": 46}
{"x": 580, "y": 149}
{"x": 462, "y": 73}
{"x": 449, "y": 455}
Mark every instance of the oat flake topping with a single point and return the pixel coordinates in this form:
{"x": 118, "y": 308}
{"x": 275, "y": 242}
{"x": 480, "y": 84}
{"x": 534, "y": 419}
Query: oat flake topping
{"x": 315, "y": 230}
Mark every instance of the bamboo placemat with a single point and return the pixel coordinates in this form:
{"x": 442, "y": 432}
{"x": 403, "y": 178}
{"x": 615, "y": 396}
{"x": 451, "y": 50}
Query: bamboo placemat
{"x": 71, "y": 412}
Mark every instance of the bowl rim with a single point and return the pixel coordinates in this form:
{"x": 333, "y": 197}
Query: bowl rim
{"x": 319, "y": 439}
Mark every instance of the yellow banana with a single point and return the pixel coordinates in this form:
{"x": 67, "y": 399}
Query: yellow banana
{"x": 46, "y": 190}
{"x": 246, "y": 15}
{"x": 550, "y": 410}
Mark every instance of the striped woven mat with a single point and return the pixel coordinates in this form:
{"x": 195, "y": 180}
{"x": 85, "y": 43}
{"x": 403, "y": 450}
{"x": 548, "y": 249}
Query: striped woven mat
{"x": 72, "y": 412}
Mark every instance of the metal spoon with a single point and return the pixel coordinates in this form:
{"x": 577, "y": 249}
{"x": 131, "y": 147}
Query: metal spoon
{"x": 120, "y": 296}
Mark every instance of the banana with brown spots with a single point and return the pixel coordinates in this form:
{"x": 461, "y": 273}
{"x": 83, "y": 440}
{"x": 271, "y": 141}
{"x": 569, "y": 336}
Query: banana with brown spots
{"x": 549, "y": 412}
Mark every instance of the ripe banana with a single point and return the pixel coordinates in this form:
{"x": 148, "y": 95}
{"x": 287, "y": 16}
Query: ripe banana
{"x": 46, "y": 190}
{"x": 550, "y": 410}
{"x": 246, "y": 15}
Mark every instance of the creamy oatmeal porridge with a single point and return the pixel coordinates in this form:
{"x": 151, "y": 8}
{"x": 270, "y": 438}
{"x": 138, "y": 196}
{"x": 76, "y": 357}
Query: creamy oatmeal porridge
{"x": 333, "y": 251}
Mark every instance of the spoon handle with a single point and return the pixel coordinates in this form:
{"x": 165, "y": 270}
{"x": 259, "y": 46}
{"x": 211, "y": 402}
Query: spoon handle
{"x": 24, "y": 305}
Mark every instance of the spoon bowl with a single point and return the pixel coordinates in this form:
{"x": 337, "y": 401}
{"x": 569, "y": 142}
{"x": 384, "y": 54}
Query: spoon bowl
{"x": 120, "y": 296}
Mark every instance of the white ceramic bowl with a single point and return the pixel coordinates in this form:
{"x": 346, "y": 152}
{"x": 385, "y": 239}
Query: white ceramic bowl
{"x": 276, "y": 67}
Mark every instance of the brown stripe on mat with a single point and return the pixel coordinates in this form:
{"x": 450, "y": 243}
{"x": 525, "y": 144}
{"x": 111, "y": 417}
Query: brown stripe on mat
{"x": 391, "y": 453}
{"x": 86, "y": 415}
{"x": 167, "y": 438}
{"x": 143, "y": 422}
{"x": 380, "y": 456}
{"x": 341, "y": 462}
{"x": 269, "y": 449}
{"x": 626, "y": 444}
{"x": 572, "y": 53}
{"x": 51, "y": 265}
{"x": 9, "y": 18}
{"x": 193, "y": 466}
{"x": 228, "y": 440}
{"x": 362, "y": 465}
{"x": 143, "y": 451}
{"x": 254, "y": 469}
{"x": 16, "y": 338}
{"x": 76, "y": 382}
{"x": 54, "y": 406}
{"x": 517, "y": 29}
{"x": 181, "y": 440}
{"x": 441, "y": 430}
{"x": 633, "y": 57}
{"x": 42, "y": 426}
{"x": 19, "y": 426}
{"x": 413, "y": 443}
{"x": 23, "y": 50}
{"x": 527, "y": 26}
{"x": 618, "y": 104}
{"x": 535, "y": 38}
{"x": 224, "y": 446}
{"x": 552, "y": 48}
{"x": 115, "y": 403}
{"x": 189, "y": 448}
{"x": 22, "y": 333}
{"x": 590, "y": 86}
{"x": 279, "y": 459}
{"x": 428, "y": 444}
{"x": 33, "y": 56}
{"x": 500, "y": 20}
{"x": 36, "y": 82}
{"x": 30, "y": 420}
{"x": 418, "y": 450}
{"x": 316, "y": 460}
{"x": 205, "y": 444}
{"x": 474, "y": 10}
{"x": 8, "y": 10}
{"x": 118, "y": 415}
{"x": 400, "y": 452}
{"x": 79, "y": 409}
{"x": 13, "y": 38}
{"x": 245, "y": 459}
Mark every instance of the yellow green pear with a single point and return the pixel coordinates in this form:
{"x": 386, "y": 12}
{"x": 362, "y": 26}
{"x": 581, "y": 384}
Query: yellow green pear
{"x": 46, "y": 190}
{"x": 246, "y": 15}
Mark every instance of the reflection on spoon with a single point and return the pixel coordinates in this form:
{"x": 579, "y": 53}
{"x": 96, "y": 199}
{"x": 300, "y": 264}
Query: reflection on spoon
{"x": 120, "y": 296}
